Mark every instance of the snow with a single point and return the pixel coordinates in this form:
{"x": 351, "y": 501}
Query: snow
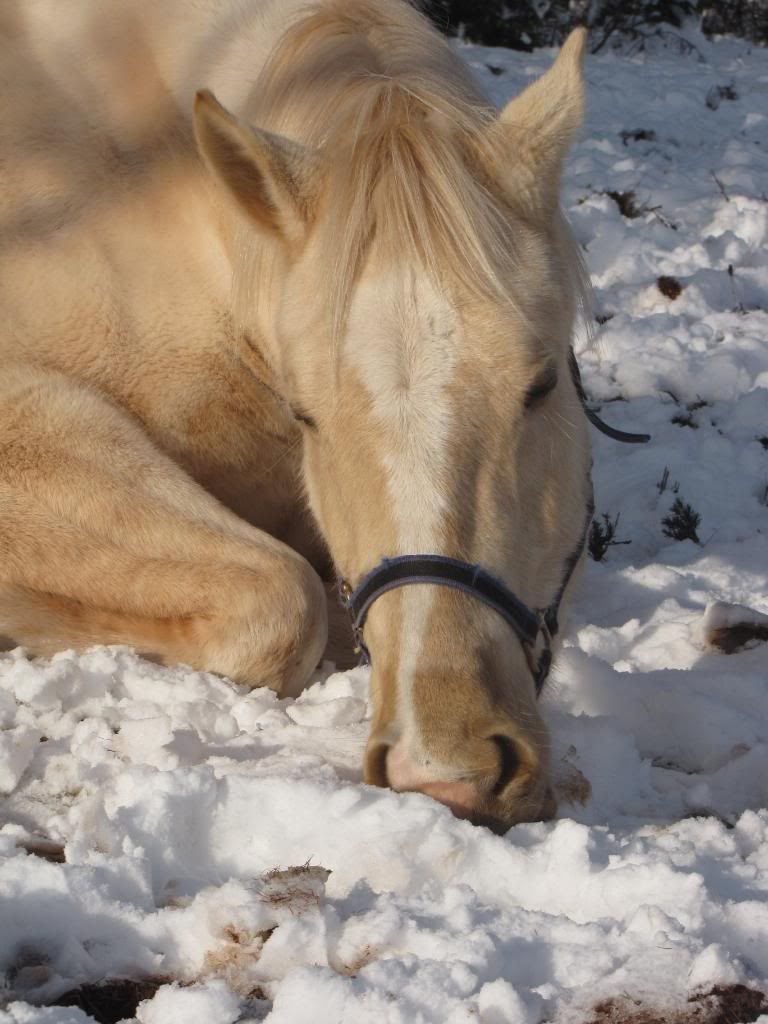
{"x": 198, "y": 1004}
{"x": 176, "y": 795}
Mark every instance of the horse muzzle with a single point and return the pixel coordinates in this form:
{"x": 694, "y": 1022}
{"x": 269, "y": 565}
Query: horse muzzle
{"x": 496, "y": 779}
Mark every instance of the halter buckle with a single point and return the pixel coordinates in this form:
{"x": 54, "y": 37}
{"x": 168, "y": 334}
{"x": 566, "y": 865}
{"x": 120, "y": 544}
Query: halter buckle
{"x": 539, "y": 653}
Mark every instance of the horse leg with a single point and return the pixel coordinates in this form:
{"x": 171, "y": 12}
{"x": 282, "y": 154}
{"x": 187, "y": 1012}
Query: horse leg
{"x": 104, "y": 539}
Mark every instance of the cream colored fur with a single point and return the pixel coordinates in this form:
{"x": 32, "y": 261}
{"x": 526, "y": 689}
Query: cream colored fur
{"x": 341, "y": 306}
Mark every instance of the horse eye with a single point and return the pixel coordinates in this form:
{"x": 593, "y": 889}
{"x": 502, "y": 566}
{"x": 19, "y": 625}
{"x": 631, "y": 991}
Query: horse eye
{"x": 541, "y": 387}
{"x": 302, "y": 417}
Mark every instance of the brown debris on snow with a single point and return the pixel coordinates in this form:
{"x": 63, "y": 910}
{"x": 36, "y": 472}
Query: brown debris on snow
{"x": 669, "y": 286}
{"x": 111, "y": 1001}
{"x": 730, "y": 628}
{"x": 39, "y": 846}
{"x": 724, "y": 1004}
{"x": 234, "y": 958}
{"x": 296, "y": 888}
{"x": 736, "y": 638}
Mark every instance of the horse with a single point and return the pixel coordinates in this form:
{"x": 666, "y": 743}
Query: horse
{"x": 286, "y": 299}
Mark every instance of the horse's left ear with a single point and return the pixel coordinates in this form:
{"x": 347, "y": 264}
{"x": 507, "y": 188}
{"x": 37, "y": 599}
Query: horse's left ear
{"x": 542, "y": 121}
{"x": 271, "y": 178}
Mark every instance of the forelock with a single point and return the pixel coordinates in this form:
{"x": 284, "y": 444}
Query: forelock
{"x": 412, "y": 152}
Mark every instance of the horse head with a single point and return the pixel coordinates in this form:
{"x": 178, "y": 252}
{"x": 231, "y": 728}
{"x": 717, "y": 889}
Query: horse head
{"x": 413, "y": 286}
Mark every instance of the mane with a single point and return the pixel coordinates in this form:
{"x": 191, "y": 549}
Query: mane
{"x": 411, "y": 143}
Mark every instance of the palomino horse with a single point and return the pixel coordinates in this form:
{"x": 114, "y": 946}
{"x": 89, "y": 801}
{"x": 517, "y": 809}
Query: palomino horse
{"x": 321, "y": 326}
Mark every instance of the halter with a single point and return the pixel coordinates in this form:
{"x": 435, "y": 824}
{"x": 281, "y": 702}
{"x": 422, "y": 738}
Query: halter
{"x": 535, "y": 629}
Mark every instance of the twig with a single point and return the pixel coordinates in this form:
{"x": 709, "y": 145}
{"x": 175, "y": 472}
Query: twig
{"x": 721, "y": 186}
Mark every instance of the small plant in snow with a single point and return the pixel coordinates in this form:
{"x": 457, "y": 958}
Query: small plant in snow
{"x": 682, "y": 522}
{"x": 603, "y": 536}
{"x": 661, "y": 485}
{"x": 638, "y": 135}
{"x": 626, "y": 202}
{"x": 718, "y": 93}
{"x": 684, "y": 419}
{"x": 630, "y": 208}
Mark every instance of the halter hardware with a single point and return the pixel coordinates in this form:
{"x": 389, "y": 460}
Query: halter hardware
{"x": 533, "y": 628}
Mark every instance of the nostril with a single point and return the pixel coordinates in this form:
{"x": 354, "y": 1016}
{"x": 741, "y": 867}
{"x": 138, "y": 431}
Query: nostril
{"x": 375, "y": 771}
{"x": 509, "y": 763}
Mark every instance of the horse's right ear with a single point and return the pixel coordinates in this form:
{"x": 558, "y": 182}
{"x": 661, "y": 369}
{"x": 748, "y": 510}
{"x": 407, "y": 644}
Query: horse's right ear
{"x": 272, "y": 179}
{"x": 542, "y": 121}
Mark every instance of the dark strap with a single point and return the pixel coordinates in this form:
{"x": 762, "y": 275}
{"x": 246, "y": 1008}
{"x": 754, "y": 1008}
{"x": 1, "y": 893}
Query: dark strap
{"x": 441, "y": 570}
{"x": 594, "y": 419}
{"x": 550, "y": 614}
{"x": 405, "y": 570}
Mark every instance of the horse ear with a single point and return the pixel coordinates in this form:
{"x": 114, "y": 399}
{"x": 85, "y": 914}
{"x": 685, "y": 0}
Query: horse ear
{"x": 542, "y": 121}
{"x": 272, "y": 179}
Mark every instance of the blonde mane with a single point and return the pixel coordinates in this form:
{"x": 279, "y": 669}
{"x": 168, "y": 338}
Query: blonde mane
{"x": 407, "y": 140}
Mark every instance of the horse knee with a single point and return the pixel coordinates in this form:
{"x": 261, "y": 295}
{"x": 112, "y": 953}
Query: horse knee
{"x": 301, "y": 623}
{"x": 274, "y": 635}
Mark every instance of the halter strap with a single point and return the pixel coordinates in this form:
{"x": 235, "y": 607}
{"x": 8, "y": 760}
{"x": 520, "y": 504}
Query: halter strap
{"x": 550, "y": 615}
{"x": 594, "y": 419}
{"x": 533, "y": 628}
{"x": 404, "y": 570}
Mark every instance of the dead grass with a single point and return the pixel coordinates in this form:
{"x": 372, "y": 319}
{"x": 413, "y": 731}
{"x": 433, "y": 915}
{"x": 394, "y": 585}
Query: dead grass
{"x": 233, "y": 959}
{"x": 295, "y": 888}
{"x": 366, "y": 956}
{"x": 724, "y": 1004}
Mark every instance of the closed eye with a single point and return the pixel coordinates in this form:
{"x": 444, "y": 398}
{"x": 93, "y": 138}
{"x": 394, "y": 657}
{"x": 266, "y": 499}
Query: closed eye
{"x": 305, "y": 419}
{"x": 302, "y": 417}
{"x": 541, "y": 387}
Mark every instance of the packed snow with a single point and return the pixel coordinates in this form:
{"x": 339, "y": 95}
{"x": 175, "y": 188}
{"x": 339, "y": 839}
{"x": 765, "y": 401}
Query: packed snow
{"x": 220, "y": 842}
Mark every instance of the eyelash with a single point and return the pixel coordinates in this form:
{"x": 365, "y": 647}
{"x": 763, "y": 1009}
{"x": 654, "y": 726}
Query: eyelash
{"x": 540, "y": 390}
{"x": 302, "y": 417}
{"x": 536, "y": 394}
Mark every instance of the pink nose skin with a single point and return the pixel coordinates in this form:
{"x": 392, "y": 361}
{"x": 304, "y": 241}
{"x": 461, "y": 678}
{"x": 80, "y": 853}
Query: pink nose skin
{"x": 462, "y": 797}
{"x": 406, "y": 775}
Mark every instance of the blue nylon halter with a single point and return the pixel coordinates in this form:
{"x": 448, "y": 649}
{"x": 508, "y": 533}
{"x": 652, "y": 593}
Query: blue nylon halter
{"x": 531, "y": 626}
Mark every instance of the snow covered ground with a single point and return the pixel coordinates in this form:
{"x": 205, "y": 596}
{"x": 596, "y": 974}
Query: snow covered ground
{"x": 178, "y": 795}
